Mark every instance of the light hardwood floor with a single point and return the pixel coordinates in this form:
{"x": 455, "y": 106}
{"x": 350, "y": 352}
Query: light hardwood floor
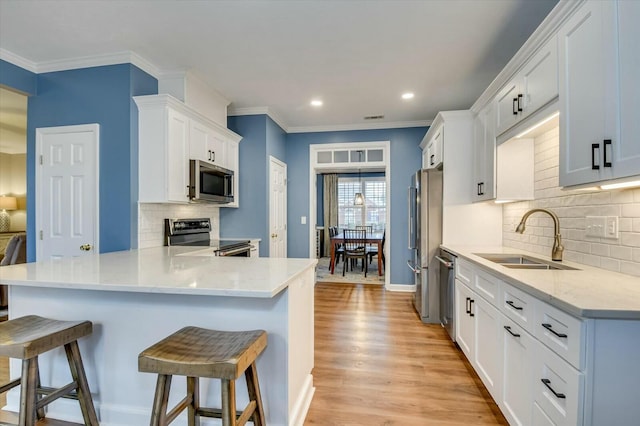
{"x": 377, "y": 364}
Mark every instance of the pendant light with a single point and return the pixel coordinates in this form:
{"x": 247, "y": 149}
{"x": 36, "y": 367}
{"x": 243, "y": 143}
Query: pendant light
{"x": 359, "y": 198}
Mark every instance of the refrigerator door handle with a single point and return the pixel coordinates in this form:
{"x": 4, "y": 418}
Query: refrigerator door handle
{"x": 445, "y": 262}
{"x": 411, "y": 197}
{"x": 413, "y": 267}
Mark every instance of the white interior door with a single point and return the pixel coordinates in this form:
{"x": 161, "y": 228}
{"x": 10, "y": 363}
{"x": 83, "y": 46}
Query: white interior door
{"x": 67, "y": 191}
{"x": 277, "y": 208}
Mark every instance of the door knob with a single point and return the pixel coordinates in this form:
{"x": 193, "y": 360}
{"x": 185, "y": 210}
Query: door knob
{"x": 274, "y": 235}
{"x": 85, "y": 247}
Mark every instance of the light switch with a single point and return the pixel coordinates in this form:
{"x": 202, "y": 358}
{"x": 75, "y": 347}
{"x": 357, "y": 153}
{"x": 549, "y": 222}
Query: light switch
{"x": 595, "y": 226}
{"x": 303, "y": 220}
{"x": 611, "y": 227}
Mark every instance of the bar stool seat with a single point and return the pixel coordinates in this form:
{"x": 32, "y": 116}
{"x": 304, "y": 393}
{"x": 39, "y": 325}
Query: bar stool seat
{"x": 198, "y": 352}
{"x": 26, "y": 338}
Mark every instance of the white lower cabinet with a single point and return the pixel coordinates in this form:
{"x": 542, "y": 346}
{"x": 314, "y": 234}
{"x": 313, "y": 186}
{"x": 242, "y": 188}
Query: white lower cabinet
{"x": 465, "y": 325}
{"x": 488, "y": 353}
{"x": 518, "y": 348}
{"x": 540, "y": 418}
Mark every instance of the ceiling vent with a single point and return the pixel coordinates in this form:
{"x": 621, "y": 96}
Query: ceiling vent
{"x": 374, "y": 117}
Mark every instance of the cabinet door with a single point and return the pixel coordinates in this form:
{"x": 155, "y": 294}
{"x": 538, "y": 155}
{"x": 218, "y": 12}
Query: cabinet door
{"x": 177, "y": 157}
{"x": 539, "y": 78}
{"x": 465, "y": 327}
{"x": 488, "y": 347}
{"x": 217, "y": 147}
{"x": 507, "y": 106}
{"x": 626, "y": 155}
{"x": 588, "y": 92}
{"x": 484, "y": 151}
{"x": 198, "y": 142}
{"x": 517, "y": 397}
{"x": 232, "y": 162}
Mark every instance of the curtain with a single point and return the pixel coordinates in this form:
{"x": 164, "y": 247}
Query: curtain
{"x": 330, "y": 199}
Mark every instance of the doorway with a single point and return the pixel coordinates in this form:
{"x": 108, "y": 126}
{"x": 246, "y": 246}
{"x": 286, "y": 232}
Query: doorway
{"x": 352, "y": 157}
{"x": 277, "y": 208}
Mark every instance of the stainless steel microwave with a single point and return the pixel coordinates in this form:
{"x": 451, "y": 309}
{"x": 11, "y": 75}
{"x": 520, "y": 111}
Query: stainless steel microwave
{"x": 210, "y": 183}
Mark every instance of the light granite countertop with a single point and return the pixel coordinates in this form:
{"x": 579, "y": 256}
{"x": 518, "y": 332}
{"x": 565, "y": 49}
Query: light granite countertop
{"x": 586, "y": 292}
{"x": 169, "y": 270}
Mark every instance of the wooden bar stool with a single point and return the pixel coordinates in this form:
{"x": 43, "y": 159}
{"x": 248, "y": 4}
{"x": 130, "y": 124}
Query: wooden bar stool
{"x": 197, "y": 352}
{"x": 27, "y": 337}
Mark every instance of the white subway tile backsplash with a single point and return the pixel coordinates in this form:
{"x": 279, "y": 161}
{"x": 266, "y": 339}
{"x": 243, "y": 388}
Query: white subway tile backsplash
{"x": 572, "y": 207}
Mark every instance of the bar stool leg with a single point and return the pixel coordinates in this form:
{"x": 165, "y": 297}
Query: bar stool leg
{"x": 160, "y": 401}
{"x": 84, "y": 394}
{"x": 193, "y": 391}
{"x": 28, "y": 392}
{"x": 251, "y": 374}
{"x": 40, "y": 411}
{"x": 228, "y": 402}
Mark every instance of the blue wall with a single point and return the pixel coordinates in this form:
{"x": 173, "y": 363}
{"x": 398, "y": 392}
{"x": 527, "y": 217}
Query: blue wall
{"x": 18, "y": 78}
{"x": 405, "y": 159}
{"x": 261, "y": 138}
{"x": 93, "y": 95}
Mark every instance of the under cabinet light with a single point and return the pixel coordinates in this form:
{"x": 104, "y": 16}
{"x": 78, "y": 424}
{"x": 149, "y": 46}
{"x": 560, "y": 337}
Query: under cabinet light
{"x": 535, "y": 126}
{"x": 620, "y": 185}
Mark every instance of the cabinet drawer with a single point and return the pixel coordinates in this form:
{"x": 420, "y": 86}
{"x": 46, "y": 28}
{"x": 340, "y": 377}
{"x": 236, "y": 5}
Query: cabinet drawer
{"x": 464, "y": 271}
{"x": 518, "y": 306}
{"x": 558, "y": 388}
{"x": 488, "y": 286}
{"x": 561, "y": 333}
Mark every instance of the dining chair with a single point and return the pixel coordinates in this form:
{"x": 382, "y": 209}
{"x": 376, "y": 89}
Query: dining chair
{"x": 373, "y": 250}
{"x": 339, "y": 249}
{"x": 354, "y": 248}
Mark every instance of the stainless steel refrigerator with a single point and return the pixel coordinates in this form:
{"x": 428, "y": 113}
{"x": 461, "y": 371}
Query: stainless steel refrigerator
{"x": 425, "y": 237}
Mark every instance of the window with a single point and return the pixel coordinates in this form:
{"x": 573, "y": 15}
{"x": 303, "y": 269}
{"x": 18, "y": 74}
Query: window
{"x": 374, "y": 211}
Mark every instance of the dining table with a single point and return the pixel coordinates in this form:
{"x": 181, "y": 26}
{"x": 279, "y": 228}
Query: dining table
{"x": 376, "y": 237}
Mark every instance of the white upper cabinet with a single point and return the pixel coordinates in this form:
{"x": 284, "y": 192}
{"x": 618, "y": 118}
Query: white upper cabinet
{"x": 535, "y": 85}
{"x": 432, "y": 155}
{"x": 170, "y": 134}
{"x": 599, "y": 93}
{"x": 484, "y": 153}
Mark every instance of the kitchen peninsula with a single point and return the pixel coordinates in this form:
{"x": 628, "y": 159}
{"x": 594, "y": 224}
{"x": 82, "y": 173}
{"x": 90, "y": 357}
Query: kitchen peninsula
{"x": 135, "y": 298}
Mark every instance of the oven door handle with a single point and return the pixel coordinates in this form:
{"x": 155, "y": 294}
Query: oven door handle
{"x": 233, "y": 251}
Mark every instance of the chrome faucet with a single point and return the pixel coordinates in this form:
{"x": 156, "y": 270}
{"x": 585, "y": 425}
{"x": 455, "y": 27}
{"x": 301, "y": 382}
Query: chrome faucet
{"x": 556, "y": 251}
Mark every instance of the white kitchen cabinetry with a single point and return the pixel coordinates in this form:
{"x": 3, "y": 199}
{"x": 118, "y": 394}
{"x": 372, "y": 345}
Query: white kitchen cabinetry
{"x": 206, "y": 145}
{"x": 599, "y": 93}
{"x": 465, "y": 325}
{"x": 432, "y": 155}
{"x": 170, "y": 134}
{"x": 488, "y": 347}
{"x": 517, "y": 376}
{"x": 163, "y": 168}
{"x": 535, "y": 85}
{"x": 484, "y": 153}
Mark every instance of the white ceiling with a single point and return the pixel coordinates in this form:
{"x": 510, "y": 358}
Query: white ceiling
{"x": 356, "y": 56}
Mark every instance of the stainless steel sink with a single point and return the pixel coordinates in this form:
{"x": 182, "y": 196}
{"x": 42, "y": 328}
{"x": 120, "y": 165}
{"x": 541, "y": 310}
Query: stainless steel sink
{"x": 519, "y": 261}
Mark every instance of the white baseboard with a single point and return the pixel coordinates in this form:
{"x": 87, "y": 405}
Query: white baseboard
{"x": 407, "y": 288}
{"x": 302, "y": 404}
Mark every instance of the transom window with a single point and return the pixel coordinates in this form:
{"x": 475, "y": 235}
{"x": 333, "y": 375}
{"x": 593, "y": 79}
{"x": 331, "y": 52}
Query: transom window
{"x": 374, "y": 210}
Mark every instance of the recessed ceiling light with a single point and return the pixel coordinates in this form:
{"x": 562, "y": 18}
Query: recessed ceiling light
{"x": 407, "y": 95}
{"x": 316, "y": 103}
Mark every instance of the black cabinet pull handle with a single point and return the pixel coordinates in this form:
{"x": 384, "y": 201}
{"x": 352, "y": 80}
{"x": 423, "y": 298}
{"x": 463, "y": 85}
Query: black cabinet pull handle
{"x": 547, "y": 383}
{"x": 431, "y": 159}
{"x": 515, "y": 106}
{"x": 471, "y": 308}
{"x": 513, "y": 305}
{"x": 506, "y": 327}
{"x": 605, "y": 163}
{"x": 481, "y": 188}
{"x": 467, "y": 305}
{"x": 550, "y": 328}
{"x": 478, "y": 191}
{"x": 519, "y": 104}
{"x": 213, "y": 156}
{"x": 594, "y": 166}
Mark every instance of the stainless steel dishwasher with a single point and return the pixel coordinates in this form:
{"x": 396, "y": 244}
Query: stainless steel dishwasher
{"x": 447, "y": 292}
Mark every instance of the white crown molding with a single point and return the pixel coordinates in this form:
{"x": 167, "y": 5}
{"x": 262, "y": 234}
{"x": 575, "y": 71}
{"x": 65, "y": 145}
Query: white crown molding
{"x": 360, "y": 126}
{"x": 548, "y": 28}
{"x": 260, "y": 111}
{"x": 18, "y": 61}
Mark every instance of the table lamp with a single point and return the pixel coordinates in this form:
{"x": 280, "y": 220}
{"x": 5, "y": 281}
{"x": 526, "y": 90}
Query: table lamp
{"x": 6, "y": 203}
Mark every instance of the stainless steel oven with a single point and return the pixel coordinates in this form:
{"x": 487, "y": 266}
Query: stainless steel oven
{"x": 196, "y": 232}
{"x": 447, "y": 292}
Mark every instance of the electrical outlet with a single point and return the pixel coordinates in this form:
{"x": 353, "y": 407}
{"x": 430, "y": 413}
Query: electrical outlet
{"x": 611, "y": 227}
{"x": 595, "y": 226}
{"x": 303, "y": 220}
